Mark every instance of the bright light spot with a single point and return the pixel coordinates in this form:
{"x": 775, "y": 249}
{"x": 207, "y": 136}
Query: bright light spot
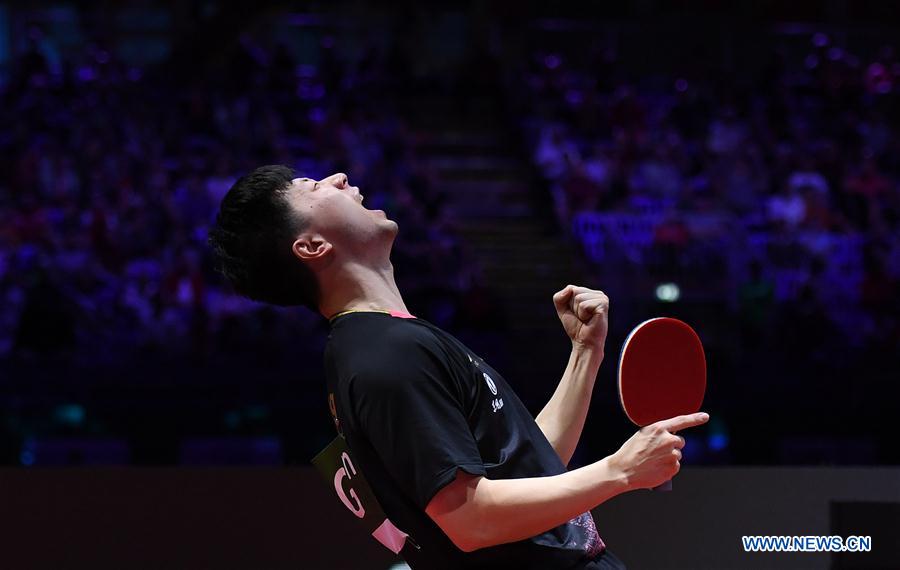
{"x": 70, "y": 414}
{"x": 399, "y": 566}
{"x": 717, "y": 441}
{"x": 668, "y": 292}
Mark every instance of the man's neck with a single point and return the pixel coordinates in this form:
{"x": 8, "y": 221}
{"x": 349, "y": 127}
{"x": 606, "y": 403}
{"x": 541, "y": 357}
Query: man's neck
{"x": 358, "y": 287}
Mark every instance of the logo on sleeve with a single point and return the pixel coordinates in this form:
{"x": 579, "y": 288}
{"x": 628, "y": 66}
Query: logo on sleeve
{"x": 496, "y": 403}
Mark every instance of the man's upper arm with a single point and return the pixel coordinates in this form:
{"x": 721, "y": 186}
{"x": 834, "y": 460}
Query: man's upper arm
{"x": 452, "y": 508}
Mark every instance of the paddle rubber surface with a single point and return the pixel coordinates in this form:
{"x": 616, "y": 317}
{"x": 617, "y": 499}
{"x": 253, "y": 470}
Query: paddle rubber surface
{"x": 662, "y": 371}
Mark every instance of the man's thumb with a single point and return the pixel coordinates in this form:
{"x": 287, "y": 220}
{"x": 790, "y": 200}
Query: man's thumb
{"x": 561, "y": 297}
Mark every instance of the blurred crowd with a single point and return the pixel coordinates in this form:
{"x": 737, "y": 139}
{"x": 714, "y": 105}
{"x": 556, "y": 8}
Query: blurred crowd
{"x": 113, "y": 174}
{"x": 769, "y": 194}
{"x": 774, "y": 185}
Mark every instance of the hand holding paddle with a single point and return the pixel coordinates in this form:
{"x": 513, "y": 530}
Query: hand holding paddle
{"x": 662, "y": 381}
{"x": 652, "y": 456}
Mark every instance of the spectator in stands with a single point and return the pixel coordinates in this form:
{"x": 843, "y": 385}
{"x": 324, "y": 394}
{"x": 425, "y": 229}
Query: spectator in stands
{"x": 787, "y": 208}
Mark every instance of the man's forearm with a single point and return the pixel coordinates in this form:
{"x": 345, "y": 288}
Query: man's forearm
{"x": 562, "y": 419}
{"x": 507, "y": 510}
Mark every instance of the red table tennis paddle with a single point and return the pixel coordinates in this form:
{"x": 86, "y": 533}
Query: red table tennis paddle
{"x": 662, "y": 373}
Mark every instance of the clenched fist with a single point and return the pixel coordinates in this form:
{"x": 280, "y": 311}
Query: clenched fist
{"x": 584, "y": 314}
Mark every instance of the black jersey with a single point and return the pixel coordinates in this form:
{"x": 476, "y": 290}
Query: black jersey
{"x": 415, "y": 405}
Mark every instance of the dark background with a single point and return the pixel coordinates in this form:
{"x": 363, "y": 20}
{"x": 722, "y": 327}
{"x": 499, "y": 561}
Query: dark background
{"x": 743, "y": 152}
{"x": 273, "y": 518}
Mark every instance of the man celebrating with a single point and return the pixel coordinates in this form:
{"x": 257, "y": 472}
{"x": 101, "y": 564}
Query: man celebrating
{"x": 456, "y": 461}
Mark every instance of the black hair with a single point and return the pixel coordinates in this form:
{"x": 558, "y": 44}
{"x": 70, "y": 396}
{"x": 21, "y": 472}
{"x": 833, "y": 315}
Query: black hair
{"x": 252, "y": 238}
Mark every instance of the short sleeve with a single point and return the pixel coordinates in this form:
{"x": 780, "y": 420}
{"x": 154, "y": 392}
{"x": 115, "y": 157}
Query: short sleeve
{"x": 408, "y": 407}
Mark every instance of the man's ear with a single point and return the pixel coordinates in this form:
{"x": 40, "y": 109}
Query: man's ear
{"x": 311, "y": 248}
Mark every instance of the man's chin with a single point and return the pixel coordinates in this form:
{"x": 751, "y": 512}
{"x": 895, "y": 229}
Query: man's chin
{"x": 382, "y": 214}
{"x": 395, "y": 227}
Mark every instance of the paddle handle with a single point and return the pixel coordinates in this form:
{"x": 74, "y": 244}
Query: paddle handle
{"x": 667, "y": 486}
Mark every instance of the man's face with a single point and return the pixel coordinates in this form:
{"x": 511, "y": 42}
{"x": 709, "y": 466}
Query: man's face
{"x": 335, "y": 212}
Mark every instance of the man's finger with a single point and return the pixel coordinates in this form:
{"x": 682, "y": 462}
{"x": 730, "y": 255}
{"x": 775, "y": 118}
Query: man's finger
{"x": 588, "y": 309}
{"x": 589, "y": 294}
{"x": 679, "y": 423}
{"x": 561, "y": 297}
{"x": 590, "y": 303}
{"x": 578, "y": 289}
